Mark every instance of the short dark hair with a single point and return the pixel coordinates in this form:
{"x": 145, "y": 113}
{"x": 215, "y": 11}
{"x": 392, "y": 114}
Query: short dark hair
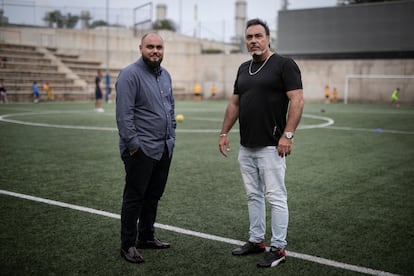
{"x": 257, "y": 21}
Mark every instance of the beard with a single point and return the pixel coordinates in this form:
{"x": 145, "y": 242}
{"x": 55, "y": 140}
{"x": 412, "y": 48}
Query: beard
{"x": 151, "y": 63}
{"x": 257, "y": 53}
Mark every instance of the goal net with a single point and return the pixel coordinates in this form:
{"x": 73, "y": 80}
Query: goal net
{"x": 377, "y": 88}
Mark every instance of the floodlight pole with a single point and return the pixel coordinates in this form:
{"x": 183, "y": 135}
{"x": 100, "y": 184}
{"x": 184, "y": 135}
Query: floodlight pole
{"x": 34, "y": 12}
{"x": 107, "y": 35}
{"x": 107, "y": 76}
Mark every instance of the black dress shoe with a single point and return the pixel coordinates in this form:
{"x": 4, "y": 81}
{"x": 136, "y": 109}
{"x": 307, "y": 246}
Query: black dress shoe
{"x": 154, "y": 244}
{"x": 132, "y": 255}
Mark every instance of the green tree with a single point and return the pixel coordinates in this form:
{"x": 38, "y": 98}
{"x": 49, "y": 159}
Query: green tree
{"x": 165, "y": 24}
{"x": 98, "y": 23}
{"x": 52, "y": 18}
{"x": 71, "y": 21}
{"x": 57, "y": 19}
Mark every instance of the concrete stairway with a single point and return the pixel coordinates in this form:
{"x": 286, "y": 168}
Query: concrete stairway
{"x": 25, "y": 64}
{"x": 71, "y": 77}
{"x": 88, "y": 69}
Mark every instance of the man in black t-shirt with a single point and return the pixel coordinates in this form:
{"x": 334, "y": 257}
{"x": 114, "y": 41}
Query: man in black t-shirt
{"x": 267, "y": 89}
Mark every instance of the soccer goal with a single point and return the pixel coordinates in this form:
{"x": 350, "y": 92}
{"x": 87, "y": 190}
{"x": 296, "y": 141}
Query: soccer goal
{"x": 142, "y": 17}
{"x": 377, "y": 88}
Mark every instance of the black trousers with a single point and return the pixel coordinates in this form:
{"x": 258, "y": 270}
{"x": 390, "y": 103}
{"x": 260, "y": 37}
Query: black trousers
{"x": 144, "y": 185}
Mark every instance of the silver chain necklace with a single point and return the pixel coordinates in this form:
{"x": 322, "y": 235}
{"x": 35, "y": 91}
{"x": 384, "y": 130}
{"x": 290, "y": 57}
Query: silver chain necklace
{"x": 260, "y": 68}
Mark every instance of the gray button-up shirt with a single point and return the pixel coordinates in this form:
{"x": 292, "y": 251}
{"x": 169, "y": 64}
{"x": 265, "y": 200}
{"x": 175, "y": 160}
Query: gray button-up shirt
{"x": 145, "y": 110}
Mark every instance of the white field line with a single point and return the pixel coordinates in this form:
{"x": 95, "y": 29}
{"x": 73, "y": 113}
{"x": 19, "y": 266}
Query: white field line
{"x": 6, "y": 118}
{"x": 179, "y": 230}
{"x": 371, "y": 130}
{"x": 328, "y": 123}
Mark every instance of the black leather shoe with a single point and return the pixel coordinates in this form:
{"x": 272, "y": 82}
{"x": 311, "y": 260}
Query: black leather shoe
{"x": 154, "y": 244}
{"x": 132, "y": 255}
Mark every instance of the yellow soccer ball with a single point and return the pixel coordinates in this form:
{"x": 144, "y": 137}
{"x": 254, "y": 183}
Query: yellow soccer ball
{"x": 179, "y": 118}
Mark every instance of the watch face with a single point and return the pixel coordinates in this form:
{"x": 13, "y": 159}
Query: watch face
{"x": 289, "y": 135}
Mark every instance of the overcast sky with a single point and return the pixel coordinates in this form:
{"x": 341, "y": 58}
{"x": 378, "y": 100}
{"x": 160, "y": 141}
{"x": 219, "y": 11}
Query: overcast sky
{"x": 215, "y": 17}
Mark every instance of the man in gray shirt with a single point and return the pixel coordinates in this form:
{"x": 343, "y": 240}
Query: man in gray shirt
{"x": 146, "y": 127}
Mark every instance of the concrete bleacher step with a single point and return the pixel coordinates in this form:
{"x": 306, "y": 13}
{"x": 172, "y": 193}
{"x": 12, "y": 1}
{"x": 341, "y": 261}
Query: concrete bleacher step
{"x": 28, "y": 59}
{"x": 56, "y": 87}
{"x": 17, "y": 46}
{"x": 27, "y": 80}
{"x": 28, "y": 72}
{"x": 35, "y": 66}
{"x": 66, "y": 56}
{"x": 84, "y": 69}
{"x": 82, "y": 63}
{"x": 90, "y": 75}
{"x": 4, "y": 52}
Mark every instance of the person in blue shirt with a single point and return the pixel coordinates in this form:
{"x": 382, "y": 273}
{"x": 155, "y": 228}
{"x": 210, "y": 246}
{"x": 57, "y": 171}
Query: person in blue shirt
{"x": 35, "y": 91}
{"x": 108, "y": 88}
{"x": 146, "y": 126}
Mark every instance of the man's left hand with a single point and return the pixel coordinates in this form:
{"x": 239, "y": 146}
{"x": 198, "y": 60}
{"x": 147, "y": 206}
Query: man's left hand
{"x": 284, "y": 147}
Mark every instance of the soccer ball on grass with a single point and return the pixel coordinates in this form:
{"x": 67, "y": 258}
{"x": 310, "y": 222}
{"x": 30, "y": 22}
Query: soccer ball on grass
{"x": 179, "y": 118}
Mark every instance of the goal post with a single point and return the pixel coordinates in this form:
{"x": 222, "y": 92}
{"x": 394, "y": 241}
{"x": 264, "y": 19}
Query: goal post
{"x": 142, "y": 17}
{"x": 393, "y": 81}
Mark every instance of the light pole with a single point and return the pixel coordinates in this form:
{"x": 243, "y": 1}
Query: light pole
{"x": 107, "y": 76}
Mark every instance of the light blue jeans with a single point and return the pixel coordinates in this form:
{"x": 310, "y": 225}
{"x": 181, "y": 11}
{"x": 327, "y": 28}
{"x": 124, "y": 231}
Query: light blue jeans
{"x": 263, "y": 173}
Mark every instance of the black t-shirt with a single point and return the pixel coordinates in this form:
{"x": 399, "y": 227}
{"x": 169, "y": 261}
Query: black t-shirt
{"x": 263, "y": 102}
{"x": 97, "y": 82}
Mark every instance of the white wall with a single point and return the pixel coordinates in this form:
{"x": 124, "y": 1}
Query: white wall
{"x": 188, "y": 66}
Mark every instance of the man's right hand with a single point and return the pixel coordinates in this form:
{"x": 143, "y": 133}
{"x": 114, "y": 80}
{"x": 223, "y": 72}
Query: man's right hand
{"x": 224, "y": 144}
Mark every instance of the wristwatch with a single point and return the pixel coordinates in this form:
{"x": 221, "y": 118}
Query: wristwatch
{"x": 288, "y": 135}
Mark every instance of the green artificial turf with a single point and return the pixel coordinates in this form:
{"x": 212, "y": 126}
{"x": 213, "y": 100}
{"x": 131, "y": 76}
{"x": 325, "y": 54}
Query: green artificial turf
{"x": 350, "y": 191}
